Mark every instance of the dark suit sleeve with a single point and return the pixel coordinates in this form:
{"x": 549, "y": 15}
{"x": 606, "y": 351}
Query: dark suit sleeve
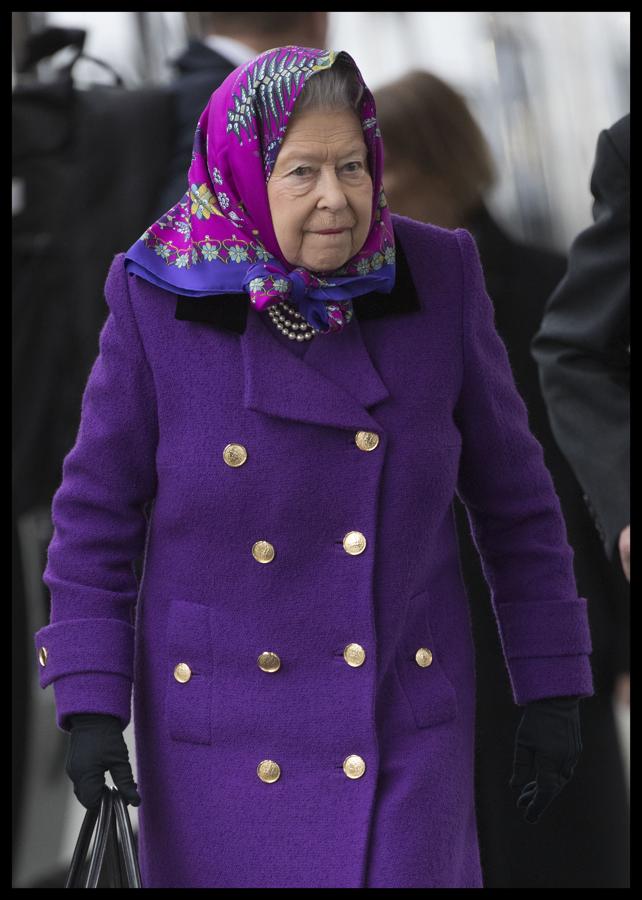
{"x": 583, "y": 346}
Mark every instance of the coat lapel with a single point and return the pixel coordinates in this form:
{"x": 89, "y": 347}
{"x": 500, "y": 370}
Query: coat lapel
{"x": 281, "y": 384}
{"x": 335, "y": 383}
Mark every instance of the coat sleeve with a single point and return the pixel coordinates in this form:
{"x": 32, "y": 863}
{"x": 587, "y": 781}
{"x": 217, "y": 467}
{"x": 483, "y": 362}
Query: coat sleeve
{"x": 514, "y": 512}
{"x": 86, "y": 651}
{"x": 583, "y": 347}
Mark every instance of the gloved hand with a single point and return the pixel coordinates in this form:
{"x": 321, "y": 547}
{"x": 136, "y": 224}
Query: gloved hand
{"x": 97, "y": 745}
{"x": 547, "y": 747}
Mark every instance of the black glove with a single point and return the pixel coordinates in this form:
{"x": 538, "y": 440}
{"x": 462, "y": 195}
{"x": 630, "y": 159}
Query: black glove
{"x": 547, "y": 747}
{"x": 97, "y": 745}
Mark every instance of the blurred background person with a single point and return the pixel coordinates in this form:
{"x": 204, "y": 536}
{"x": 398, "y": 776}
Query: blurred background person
{"x": 439, "y": 169}
{"x": 230, "y": 39}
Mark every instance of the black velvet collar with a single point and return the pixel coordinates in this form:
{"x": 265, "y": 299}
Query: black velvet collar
{"x": 229, "y": 311}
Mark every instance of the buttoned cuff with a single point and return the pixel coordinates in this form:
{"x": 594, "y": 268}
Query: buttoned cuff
{"x": 84, "y": 645}
{"x": 90, "y": 663}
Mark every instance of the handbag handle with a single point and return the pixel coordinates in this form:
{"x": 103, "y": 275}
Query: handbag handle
{"x": 97, "y": 823}
{"x": 125, "y": 836}
{"x": 50, "y": 40}
{"x": 113, "y": 840}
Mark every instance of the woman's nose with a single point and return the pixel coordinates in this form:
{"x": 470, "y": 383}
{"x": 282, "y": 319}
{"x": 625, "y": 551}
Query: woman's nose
{"x": 331, "y": 193}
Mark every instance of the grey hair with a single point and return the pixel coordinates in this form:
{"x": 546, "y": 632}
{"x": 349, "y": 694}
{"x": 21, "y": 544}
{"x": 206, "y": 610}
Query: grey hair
{"x": 338, "y": 87}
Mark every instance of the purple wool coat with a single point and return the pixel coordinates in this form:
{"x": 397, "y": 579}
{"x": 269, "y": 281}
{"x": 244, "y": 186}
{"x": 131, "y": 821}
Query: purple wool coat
{"x": 374, "y": 744}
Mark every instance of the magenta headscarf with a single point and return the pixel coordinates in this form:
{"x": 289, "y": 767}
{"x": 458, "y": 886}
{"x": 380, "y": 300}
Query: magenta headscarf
{"x": 219, "y": 237}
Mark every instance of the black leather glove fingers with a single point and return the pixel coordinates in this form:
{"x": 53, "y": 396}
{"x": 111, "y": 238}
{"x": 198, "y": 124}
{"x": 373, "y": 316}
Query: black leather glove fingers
{"x": 97, "y": 745}
{"x": 547, "y": 747}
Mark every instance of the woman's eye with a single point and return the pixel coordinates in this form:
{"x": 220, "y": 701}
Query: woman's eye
{"x": 301, "y": 171}
{"x": 353, "y": 167}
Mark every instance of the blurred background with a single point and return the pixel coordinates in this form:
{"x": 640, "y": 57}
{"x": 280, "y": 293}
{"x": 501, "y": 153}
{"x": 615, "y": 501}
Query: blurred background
{"x": 93, "y": 141}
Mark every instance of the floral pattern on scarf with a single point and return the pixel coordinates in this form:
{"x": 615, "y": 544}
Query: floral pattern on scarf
{"x": 221, "y": 229}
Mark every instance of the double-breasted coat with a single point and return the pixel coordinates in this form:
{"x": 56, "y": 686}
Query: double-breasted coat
{"x": 299, "y": 641}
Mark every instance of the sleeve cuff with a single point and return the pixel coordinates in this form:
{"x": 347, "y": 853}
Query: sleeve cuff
{"x": 545, "y": 629}
{"x": 84, "y": 646}
{"x": 92, "y": 693}
{"x": 547, "y": 646}
{"x": 550, "y": 676}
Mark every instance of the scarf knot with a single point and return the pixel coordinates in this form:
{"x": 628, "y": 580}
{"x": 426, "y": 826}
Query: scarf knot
{"x": 268, "y": 282}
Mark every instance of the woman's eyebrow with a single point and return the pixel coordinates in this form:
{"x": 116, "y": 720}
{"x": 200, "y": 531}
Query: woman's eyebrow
{"x": 356, "y": 151}
{"x": 290, "y": 156}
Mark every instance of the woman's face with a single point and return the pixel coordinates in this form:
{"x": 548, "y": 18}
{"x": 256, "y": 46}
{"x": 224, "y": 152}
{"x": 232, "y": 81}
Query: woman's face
{"x": 320, "y": 190}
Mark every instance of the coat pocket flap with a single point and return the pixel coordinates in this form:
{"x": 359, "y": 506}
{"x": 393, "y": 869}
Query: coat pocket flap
{"x": 430, "y": 693}
{"x": 188, "y": 635}
{"x": 189, "y": 675}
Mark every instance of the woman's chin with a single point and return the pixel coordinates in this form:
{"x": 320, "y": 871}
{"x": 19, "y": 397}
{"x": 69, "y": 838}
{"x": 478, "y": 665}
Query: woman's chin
{"x": 326, "y": 263}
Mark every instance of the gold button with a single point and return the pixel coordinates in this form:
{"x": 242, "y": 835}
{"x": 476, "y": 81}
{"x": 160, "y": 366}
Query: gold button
{"x": 268, "y": 770}
{"x": 269, "y": 662}
{"x": 354, "y": 766}
{"x": 182, "y": 673}
{"x": 354, "y": 543}
{"x": 235, "y": 454}
{"x": 263, "y": 551}
{"x": 423, "y": 657}
{"x": 42, "y": 656}
{"x": 366, "y": 440}
{"x": 354, "y": 654}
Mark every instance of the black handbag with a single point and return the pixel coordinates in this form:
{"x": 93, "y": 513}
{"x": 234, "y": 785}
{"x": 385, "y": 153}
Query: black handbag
{"x": 111, "y": 860}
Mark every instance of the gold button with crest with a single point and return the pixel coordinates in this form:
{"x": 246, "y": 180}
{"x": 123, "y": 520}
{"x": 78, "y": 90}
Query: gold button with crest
{"x": 263, "y": 551}
{"x": 42, "y": 656}
{"x": 182, "y": 673}
{"x": 268, "y": 771}
{"x": 354, "y": 766}
{"x": 354, "y": 543}
{"x": 269, "y": 662}
{"x": 366, "y": 440}
{"x": 235, "y": 454}
{"x": 354, "y": 655}
{"x": 423, "y": 657}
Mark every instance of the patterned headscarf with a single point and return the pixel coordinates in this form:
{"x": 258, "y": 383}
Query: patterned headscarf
{"x": 219, "y": 237}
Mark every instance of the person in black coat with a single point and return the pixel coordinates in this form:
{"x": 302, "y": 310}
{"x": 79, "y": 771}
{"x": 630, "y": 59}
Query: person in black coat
{"x": 439, "y": 171}
{"x": 231, "y": 39}
{"x": 583, "y": 349}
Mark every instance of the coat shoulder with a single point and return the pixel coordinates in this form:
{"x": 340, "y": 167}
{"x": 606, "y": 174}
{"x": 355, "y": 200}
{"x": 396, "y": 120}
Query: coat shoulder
{"x": 143, "y": 296}
{"x": 440, "y": 260}
{"x": 414, "y": 234}
{"x": 620, "y": 135}
{"x": 426, "y": 245}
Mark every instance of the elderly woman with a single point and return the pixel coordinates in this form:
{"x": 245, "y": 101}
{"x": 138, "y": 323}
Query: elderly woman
{"x": 292, "y": 385}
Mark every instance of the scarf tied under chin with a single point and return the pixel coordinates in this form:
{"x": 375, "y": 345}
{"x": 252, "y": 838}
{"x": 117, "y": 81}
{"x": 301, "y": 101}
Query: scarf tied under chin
{"x": 268, "y": 283}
